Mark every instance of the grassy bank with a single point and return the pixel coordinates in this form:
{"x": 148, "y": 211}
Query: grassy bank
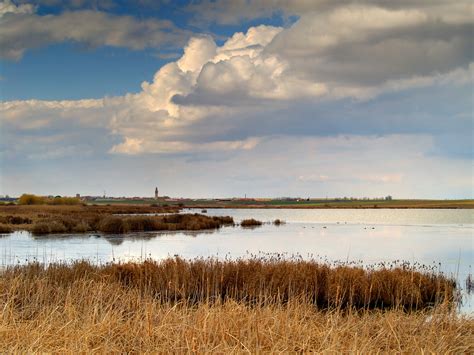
{"x": 140, "y": 307}
{"x": 106, "y": 219}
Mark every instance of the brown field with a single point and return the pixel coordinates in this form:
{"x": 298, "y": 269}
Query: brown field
{"x": 117, "y": 219}
{"x": 268, "y": 306}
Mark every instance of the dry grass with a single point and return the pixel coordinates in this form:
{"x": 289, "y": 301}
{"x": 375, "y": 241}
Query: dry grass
{"x": 85, "y": 308}
{"x": 115, "y": 219}
{"x": 257, "y": 281}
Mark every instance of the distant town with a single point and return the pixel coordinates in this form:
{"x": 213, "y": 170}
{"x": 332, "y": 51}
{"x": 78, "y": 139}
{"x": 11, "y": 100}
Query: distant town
{"x": 238, "y": 202}
{"x": 155, "y": 198}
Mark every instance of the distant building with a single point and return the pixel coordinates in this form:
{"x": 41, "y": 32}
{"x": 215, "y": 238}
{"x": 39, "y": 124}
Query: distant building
{"x": 156, "y": 193}
{"x": 78, "y": 195}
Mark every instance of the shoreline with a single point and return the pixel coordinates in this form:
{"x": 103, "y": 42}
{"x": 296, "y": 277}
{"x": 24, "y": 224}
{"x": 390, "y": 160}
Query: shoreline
{"x": 316, "y": 207}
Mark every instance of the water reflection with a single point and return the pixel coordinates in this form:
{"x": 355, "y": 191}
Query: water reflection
{"x": 114, "y": 239}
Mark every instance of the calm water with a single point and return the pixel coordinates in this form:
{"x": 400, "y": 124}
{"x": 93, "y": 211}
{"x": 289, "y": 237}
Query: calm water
{"x": 367, "y": 236}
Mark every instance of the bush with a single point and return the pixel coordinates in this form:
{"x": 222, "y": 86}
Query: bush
{"x": 64, "y": 201}
{"x": 57, "y": 227}
{"x": 30, "y": 199}
{"x": 140, "y": 224}
{"x": 49, "y": 227}
{"x": 18, "y": 220}
{"x": 81, "y": 227}
{"x": 68, "y": 222}
{"x": 225, "y": 220}
{"x": 114, "y": 225}
{"x": 41, "y": 228}
{"x": 278, "y": 222}
{"x": 250, "y": 223}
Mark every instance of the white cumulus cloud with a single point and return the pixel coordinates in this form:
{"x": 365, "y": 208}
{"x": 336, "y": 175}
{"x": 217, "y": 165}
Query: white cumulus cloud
{"x": 265, "y": 81}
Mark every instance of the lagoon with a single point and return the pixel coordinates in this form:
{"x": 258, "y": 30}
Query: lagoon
{"x": 443, "y": 239}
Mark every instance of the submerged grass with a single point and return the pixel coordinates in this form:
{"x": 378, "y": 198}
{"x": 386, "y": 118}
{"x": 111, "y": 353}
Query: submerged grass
{"x": 169, "y": 307}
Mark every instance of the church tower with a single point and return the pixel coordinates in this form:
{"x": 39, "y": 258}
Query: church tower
{"x": 156, "y": 193}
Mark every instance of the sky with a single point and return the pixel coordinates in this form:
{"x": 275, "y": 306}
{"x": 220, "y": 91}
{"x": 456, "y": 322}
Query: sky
{"x": 302, "y": 98}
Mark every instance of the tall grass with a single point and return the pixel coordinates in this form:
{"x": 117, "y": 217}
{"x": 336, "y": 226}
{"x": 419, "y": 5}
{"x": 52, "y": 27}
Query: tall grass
{"x": 260, "y": 281}
{"x": 140, "y": 308}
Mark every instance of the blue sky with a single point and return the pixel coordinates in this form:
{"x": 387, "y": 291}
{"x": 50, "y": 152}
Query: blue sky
{"x": 43, "y": 73}
{"x": 227, "y": 98}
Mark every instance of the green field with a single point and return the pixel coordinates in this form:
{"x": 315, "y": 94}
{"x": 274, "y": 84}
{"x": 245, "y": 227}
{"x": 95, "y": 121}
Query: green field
{"x": 293, "y": 203}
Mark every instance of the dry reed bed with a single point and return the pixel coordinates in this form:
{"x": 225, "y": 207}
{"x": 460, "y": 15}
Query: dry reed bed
{"x": 256, "y": 281}
{"x": 106, "y": 219}
{"x": 122, "y": 308}
{"x": 25, "y": 217}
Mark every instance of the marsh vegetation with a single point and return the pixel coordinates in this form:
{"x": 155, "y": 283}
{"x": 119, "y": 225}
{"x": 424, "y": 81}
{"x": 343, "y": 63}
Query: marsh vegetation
{"x": 250, "y": 222}
{"x": 224, "y": 306}
{"x": 264, "y": 302}
{"x": 115, "y": 219}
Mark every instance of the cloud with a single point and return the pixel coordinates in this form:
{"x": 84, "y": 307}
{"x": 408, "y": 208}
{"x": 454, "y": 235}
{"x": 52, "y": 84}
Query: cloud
{"x": 133, "y": 146}
{"x": 270, "y": 80}
{"x": 314, "y": 178}
{"x": 225, "y": 12}
{"x": 364, "y": 69}
{"x": 41, "y": 130}
{"x": 271, "y": 168}
{"x": 9, "y": 7}
{"x": 357, "y": 48}
{"x": 22, "y": 29}
{"x": 384, "y": 178}
{"x": 73, "y": 4}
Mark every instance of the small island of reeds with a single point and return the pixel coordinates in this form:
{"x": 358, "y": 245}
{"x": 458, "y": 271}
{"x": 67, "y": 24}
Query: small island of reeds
{"x": 250, "y": 222}
{"x": 115, "y": 219}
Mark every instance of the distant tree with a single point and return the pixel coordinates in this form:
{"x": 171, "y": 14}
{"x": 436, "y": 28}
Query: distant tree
{"x": 64, "y": 201}
{"x": 30, "y": 199}
{"x": 388, "y": 198}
